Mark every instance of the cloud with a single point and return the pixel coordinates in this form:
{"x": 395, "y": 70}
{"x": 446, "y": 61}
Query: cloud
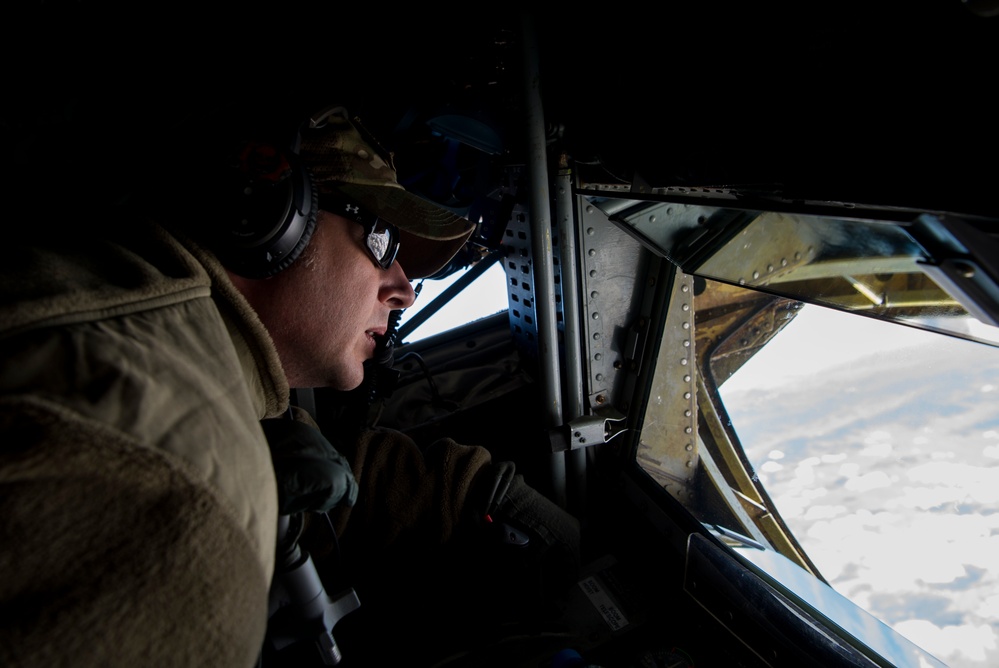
{"x": 977, "y": 484}
{"x": 868, "y": 481}
{"x": 824, "y": 512}
{"x": 951, "y": 643}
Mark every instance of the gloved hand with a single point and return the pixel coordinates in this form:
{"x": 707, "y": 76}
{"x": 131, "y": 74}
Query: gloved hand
{"x": 548, "y": 536}
{"x": 311, "y": 475}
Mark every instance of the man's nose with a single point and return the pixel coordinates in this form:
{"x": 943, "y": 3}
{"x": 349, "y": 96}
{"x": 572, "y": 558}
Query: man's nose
{"x": 396, "y": 290}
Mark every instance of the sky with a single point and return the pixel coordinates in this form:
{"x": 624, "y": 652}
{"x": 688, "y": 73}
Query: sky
{"x": 880, "y": 450}
{"x": 488, "y": 295}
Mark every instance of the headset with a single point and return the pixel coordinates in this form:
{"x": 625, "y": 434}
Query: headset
{"x": 267, "y": 211}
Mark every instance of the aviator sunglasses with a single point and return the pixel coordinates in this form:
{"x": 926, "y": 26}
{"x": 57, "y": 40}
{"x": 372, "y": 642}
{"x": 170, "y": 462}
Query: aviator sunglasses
{"x": 381, "y": 238}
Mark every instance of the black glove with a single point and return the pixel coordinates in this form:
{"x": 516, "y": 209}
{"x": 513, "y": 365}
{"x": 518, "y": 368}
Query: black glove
{"x": 311, "y": 475}
{"x": 521, "y": 556}
{"x": 546, "y": 535}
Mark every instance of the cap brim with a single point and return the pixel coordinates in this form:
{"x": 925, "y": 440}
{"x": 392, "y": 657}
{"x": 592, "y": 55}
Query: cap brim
{"x": 420, "y": 257}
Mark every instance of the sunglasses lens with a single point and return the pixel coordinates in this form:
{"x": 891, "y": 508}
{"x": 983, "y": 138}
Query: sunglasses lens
{"x": 381, "y": 238}
{"x": 383, "y": 243}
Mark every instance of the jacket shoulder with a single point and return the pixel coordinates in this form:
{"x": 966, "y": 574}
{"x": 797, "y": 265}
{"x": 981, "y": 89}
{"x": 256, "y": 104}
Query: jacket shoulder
{"x": 74, "y": 276}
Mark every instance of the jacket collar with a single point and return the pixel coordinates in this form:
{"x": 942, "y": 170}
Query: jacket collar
{"x": 258, "y": 356}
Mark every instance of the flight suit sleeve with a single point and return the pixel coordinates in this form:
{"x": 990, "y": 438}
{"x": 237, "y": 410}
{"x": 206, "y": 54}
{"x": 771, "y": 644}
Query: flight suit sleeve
{"x": 405, "y": 492}
{"x": 420, "y": 530}
{"x": 410, "y": 495}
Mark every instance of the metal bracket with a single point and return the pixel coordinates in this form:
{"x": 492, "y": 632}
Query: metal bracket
{"x": 971, "y": 278}
{"x": 298, "y": 606}
{"x": 585, "y": 431}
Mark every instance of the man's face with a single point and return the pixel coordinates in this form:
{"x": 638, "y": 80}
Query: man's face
{"x": 325, "y": 311}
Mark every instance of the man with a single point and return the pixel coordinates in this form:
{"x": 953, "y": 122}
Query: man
{"x": 138, "y": 500}
{"x": 325, "y": 345}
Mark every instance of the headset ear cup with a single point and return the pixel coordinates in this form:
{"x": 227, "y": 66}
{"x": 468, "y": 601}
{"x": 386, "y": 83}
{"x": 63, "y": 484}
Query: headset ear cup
{"x": 270, "y": 212}
{"x": 310, "y": 215}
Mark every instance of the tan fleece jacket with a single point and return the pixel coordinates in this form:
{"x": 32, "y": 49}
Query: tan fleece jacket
{"x": 137, "y": 500}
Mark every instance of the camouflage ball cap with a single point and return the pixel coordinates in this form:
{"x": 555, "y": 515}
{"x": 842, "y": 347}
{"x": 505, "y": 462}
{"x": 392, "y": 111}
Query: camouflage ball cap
{"x": 341, "y": 161}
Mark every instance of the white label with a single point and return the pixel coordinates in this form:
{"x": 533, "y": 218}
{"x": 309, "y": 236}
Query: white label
{"x": 602, "y": 601}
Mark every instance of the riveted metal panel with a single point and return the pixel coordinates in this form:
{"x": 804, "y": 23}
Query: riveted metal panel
{"x": 668, "y": 448}
{"x": 613, "y": 266}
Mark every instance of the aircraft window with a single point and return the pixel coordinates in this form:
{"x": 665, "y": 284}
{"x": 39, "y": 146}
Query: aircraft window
{"x": 485, "y": 296}
{"x": 877, "y": 446}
